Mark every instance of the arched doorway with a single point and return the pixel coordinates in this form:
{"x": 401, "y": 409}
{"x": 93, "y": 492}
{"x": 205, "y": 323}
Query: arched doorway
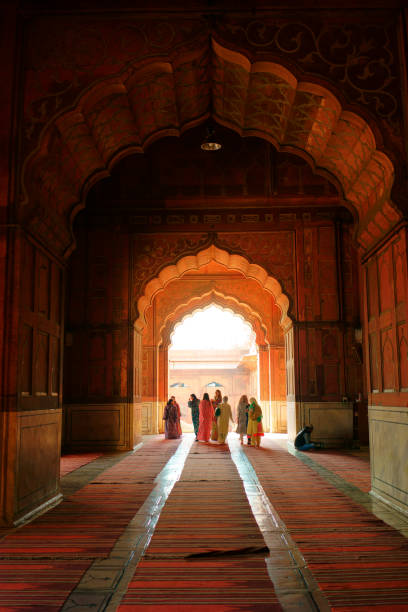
{"x": 212, "y": 348}
{"x": 214, "y": 276}
{"x": 81, "y": 142}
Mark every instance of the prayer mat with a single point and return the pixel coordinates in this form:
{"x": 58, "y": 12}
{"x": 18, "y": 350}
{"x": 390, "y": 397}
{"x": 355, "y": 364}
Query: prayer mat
{"x": 207, "y": 551}
{"x": 72, "y": 462}
{"x": 359, "y": 562}
{"x": 352, "y": 468}
{"x": 43, "y": 561}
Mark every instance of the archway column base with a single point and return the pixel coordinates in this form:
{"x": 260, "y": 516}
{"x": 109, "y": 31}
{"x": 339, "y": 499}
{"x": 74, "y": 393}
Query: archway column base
{"x": 108, "y": 427}
{"x": 50, "y": 503}
{"x": 388, "y": 455}
{"x": 332, "y": 421}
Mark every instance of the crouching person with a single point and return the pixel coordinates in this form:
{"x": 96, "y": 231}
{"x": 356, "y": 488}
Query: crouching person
{"x": 303, "y": 441}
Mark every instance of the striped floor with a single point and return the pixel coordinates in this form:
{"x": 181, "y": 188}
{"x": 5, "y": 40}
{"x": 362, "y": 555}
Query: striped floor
{"x": 359, "y": 562}
{"x": 70, "y": 462}
{"x": 352, "y": 467}
{"x": 207, "y": 551}
{"x": 42, "y": 562}
{"x": 207, "y": 515}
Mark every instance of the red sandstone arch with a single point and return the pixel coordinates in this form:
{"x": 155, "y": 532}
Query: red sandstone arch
{"x": 194, "y": 262}
{"x": 245, "y": 311}
{"x": 163, "y": 96}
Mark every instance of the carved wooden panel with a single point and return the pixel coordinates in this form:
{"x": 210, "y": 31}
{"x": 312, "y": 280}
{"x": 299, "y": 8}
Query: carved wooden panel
{"x": 374, "y": 355}
{"x": 40, "y": 331}
{"x": 403, "y": 356}
{"x": 400, "y": 263}
{"x": 38, "y": 452}
{"x": 385, "y": 271}
{"x": 372, "y": 289}
{"x": 388, "y": 361}
{"x": 42, "y": 364}
{"x": 26, "y": 377}
{"x": 148, "y": 372}
{"x": 137, "y": 370}
{"x": 147, "y": 417}
{"x": 329, "y": 299}
{"x": 93, "y": 425}
{"x": 281, "y": 417}
{"x": 98, "y": 326}
{"x": 386, "y": 327}
{"x": 27, "y": 288}
{"x": 290, "y": 364}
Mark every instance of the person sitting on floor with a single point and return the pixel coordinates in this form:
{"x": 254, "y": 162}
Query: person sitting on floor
{"x": 303, "y": 441}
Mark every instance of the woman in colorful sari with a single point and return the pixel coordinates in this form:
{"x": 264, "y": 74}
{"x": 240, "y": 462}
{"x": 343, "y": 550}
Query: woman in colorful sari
{"x": 171, "y": 421}
{"x": 215, "y": 402}
{"x": 242, "y": 417}
{"x": 194, "y": 404}
{"x": 223, "y": 413}
{"x": 255, "y": 429}
{"x": 178, "y": 412}
{"x": 206, "y": 419}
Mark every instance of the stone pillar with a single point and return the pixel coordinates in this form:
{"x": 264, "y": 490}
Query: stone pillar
{"x": 277, "y": 368}
{"x": 136, "y": 406}
{"x": 314, "y": 373}
{"x": 162, "y": 385}
{"x": 149, "y": 389}
{"x": 264, "y": 385}
{"x": 102, "y": 394}
{"x": 385, "y": 327}
{"x": 293, "y": 416}
{"x": 31, "y": 380}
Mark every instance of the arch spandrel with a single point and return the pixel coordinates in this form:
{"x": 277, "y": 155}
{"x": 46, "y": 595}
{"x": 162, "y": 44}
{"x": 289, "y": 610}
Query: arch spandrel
{"x": 226, "y": 302}
{"x": 195, "y": 262}
{"x": 125, "y": 113}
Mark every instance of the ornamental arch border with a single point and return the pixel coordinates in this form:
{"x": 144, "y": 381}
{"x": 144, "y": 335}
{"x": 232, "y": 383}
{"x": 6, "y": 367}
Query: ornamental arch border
{"x": 195, "y": 262}
{"x": 111, "y": 119}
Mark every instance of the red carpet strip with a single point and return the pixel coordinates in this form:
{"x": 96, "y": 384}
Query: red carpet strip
{"x": 353, "y": 469}
{"x": 61, "y": 545}
{"x": 208, "y": 514}
{"x": 69, "y": 463}
{"x": 359, "y": 562}
{"x": 37, "y": 585}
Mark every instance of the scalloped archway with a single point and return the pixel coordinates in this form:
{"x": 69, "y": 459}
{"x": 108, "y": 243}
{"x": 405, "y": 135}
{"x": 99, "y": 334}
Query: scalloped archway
{"x": 267, "y": 379}
{"x": 166, "y": 96}
{"x": 195, "y": 262}
{"x": 226, "y": 302}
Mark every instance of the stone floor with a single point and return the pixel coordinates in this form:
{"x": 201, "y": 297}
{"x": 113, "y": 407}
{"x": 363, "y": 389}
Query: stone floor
{"x": 179, "y": 525}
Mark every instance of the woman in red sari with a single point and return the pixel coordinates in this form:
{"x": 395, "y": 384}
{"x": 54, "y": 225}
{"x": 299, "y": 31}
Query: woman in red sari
{"x": 206, "y": 419}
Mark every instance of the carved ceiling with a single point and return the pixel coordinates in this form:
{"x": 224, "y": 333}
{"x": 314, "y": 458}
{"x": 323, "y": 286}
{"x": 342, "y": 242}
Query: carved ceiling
{"x": 165, "y": 95}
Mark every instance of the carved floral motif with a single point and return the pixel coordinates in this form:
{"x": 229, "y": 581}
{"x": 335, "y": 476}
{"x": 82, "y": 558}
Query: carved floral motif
{"x": 359, "y": 56}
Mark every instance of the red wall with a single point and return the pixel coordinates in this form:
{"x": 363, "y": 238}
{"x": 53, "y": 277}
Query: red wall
{"x": 386, "y": 333}
{"x": 98, "y": 374}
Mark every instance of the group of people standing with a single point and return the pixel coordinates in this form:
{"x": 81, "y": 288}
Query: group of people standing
{"x": 211, "y": 419}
